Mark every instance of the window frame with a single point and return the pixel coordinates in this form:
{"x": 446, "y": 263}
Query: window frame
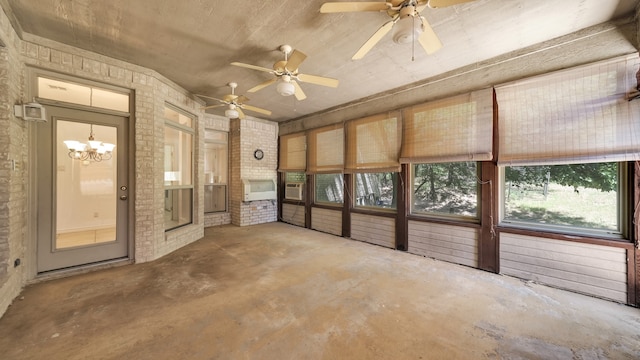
{"x": 623, "y": 202}
{"x": 214, "y": 183}
{"x": 443, "y": 216}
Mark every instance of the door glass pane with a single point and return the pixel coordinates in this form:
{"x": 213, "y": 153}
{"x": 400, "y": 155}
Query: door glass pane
{"x": 85, "y": 186}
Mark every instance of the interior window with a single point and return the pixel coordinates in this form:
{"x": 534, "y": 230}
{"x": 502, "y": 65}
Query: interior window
{"x": 216, "y": 168}
{"x": 178, "y": 169}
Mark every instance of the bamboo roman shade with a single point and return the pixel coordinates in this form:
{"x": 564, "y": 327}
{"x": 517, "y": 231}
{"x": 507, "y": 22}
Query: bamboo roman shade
{"x": 326, "y": 149}
{"x": 293, "y": 152}
{"x": 373, "y": 143}
{"x": 458, "y": 128}
{"x": 575, "y": 115}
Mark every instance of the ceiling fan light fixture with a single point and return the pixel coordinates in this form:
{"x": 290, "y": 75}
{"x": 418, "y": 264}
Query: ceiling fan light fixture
{"x": 231, "y": 113}
{"x": 407, "y": 29}
{"x": 285, "y": 88}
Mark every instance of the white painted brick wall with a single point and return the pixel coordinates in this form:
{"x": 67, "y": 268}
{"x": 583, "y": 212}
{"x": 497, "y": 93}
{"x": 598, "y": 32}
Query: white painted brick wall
{"x": 246, "y": 136}
{"x": 13, "y": 169}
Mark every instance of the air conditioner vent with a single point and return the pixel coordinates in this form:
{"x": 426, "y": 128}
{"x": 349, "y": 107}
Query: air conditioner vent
{"x": 293, "y": 190}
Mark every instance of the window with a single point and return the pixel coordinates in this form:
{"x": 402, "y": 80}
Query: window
{"x": 445, "y": 189}
{"x": 178, "y": 169}
{"x": 295, "y": 177}
{"x": 376, "y": 190}
{"x": 575, "y": 198}
{"x": 329, "y": 189}
{"x": 216, "y": 165}
{"x": 75, "y": 93}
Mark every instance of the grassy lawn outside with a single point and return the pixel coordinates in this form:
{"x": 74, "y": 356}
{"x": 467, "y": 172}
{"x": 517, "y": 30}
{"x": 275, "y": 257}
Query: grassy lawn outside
{"x": 563, "y": 206}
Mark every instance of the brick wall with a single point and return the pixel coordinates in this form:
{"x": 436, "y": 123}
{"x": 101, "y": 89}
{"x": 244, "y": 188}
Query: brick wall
{"x": 13, "y": 168}
{"x": 246, "y": 136}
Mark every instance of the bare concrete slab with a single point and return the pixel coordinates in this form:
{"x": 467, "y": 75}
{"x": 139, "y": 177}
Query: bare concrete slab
{"x": 276, "y": 291}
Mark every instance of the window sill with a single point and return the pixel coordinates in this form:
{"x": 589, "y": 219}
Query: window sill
{"x": 458, "y": 221}
{"x": 586, "y": 239}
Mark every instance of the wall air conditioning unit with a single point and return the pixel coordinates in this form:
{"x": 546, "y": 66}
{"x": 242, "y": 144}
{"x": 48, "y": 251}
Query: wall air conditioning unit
{"x": 293, "y": 190}
{"x": 253, "y": 190}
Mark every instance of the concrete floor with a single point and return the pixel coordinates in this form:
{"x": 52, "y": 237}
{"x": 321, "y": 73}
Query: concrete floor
{"x": 276, "y": 291}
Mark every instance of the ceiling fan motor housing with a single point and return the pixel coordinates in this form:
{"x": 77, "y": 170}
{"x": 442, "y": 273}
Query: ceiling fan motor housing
{"x": 409, "y": 27}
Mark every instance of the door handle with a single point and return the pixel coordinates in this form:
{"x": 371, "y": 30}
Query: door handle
{"x": 123, "y": 197}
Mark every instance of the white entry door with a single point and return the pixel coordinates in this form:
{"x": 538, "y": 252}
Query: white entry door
{"x": 82, "y": 195}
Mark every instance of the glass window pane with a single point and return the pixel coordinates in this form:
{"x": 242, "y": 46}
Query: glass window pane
{"x": 376, "y": 190}
{"x": 178, "y": 157}
{"x": 64, "y": 91}
{"x": 177, "y": 207}
{"x": 295, "y": 177}
{"x": 177, "y": 117}
{"x": 86, "y": 188}
{"x": 581, "y": 196}
{"x": 109, "y": 100}
{"x": 82, "y": 94}
{"x": 216, "y": 157}
{"x": 449, "y": 189}
{"x": 329, "y": 188}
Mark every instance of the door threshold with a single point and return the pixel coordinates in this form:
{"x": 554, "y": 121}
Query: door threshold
{"x": 80, "y": 269}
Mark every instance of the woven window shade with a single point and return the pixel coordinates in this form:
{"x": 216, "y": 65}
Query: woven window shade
{"x": 576, "y": 115}
{"x": 373, "y": 143}
{"x": 293, "y": 152}
{"x": 458, "y": 128}
{"x": 326, "y": 149}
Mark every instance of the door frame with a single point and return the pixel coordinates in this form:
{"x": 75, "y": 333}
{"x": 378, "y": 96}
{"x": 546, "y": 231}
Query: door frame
{"x": 30, "y": 256}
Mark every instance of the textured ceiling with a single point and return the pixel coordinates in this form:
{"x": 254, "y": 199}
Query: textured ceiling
{"x": 193, "y": 42}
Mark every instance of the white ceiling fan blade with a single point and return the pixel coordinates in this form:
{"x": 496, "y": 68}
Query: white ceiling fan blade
{"x": 373, "y": 40}
{"x": 295, "y": 59}
{"x": 318, "y": 80}
{"x": 240, "y": 113}
{"x": 209, "y": 97}
{"x": 428, "y": 39}
{"x": 255, "y": 109}
{"x": 336, "y": 7}
{"x": 211, "y": 106}
{"x": 262, "y": 86}
{"x": 300, "y": 95}
{"x": 254, "y": 67}
{"x": 444, "y": 3}
{"x": 241, "y": 99}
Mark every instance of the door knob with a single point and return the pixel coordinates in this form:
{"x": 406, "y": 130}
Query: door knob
{"x": 123, "y": 197}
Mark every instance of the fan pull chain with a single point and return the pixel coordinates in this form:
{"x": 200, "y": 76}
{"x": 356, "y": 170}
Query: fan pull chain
{"x": 413, "y": 41}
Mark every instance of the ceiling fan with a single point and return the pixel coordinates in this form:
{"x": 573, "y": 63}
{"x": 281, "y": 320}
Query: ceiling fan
{"x": 286, "y": 71}
{"x": 405, "y": 15}
{"x": 235, "y": 104}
